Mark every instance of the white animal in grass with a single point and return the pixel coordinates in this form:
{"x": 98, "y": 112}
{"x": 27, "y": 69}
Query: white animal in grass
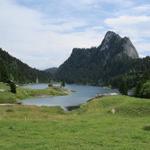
{"x": 113, "y": 110}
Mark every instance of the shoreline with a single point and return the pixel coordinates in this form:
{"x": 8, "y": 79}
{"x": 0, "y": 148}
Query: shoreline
{"x": 24, "y": 93}
{"x": 70, "y": 108}
{"x": 64, "y": 108}
{"x": 27, "y": 93}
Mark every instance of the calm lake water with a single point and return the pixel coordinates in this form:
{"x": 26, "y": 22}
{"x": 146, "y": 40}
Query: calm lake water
{"x": 81, "y": 95}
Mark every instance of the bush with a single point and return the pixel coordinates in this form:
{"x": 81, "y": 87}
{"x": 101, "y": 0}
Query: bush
{"x": 145, "y": 90}
{"x": 123, "y": 88}
{"x": 146, "y": 128}
{"x": 63, "y": 83}
{"x": 12, "y": 87}
{"x": 138, "y": 89}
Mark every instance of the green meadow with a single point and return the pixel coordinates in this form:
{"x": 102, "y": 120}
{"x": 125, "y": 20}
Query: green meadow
{"x": 7, "y": 97}
{"x": 91, "y": 127}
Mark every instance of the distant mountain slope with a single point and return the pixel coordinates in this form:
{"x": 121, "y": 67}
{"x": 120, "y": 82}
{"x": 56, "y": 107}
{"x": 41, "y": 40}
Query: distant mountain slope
{"x": 13, "y": 68}
{"x": 99, "y": 64}
{"x": 51, "y": 70}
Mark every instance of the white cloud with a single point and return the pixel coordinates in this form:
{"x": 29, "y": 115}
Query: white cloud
{"x": 90, "y": 2}
{"x": 119, "y": 2}
{"x": 43, "y": 39}
{"x": 142, "y": 8}
{"x": 127, "y": 20}
{"x": 136, "y": 27}
{"x": 27, "y": 35}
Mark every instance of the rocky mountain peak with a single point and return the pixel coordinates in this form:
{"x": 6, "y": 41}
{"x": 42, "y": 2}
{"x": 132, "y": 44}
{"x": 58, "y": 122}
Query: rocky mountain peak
{"x": 128, "y": 48}
{"x": 95, "y": 64}
{"x": 113, "y": 43}
{"x": 110, "y": 34}
{"x": 109, "y": 39}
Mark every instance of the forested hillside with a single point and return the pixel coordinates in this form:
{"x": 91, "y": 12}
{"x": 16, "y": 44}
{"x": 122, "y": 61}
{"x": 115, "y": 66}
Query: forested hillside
{"x": 12, "y": 68}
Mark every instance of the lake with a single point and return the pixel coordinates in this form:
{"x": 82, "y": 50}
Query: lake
{"x": 81, "y": 94}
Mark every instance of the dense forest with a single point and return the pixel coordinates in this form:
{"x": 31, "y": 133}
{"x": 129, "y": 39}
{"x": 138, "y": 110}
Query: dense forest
{"x": 137, "y": 76}
{"x": 12, "y": 68}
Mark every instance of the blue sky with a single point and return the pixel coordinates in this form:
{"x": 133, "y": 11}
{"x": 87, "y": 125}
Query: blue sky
{"x": 42, "y": 33}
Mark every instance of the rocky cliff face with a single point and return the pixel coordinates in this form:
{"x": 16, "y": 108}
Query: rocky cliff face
{"x": 100, "y": 63}
{"x": 115, "y": 45}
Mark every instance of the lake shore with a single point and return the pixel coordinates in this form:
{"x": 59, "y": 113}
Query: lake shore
{"x": 22, "y": 93}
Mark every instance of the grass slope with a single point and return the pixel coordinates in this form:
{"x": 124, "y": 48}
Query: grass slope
{"x": 7, "y": 97}
{"x": 92, "y": 127}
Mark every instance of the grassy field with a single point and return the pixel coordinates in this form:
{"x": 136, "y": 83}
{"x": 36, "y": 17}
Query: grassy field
{"x": 92, "y": 127}
{"x": 7, "y": 97}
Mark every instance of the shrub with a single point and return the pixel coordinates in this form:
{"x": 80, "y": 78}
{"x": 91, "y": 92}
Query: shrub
{"x": 12, "y": 87}
{"x": 145, "y": 90}
{"x": 146, "y": 128}
{"x": 63, "y": 83}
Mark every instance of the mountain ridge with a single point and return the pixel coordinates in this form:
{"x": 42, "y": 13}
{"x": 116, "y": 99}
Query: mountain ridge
{"x": 97, "y": 63}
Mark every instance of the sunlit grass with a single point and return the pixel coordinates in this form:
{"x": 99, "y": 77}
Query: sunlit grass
{"x": 91, "y": 127}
